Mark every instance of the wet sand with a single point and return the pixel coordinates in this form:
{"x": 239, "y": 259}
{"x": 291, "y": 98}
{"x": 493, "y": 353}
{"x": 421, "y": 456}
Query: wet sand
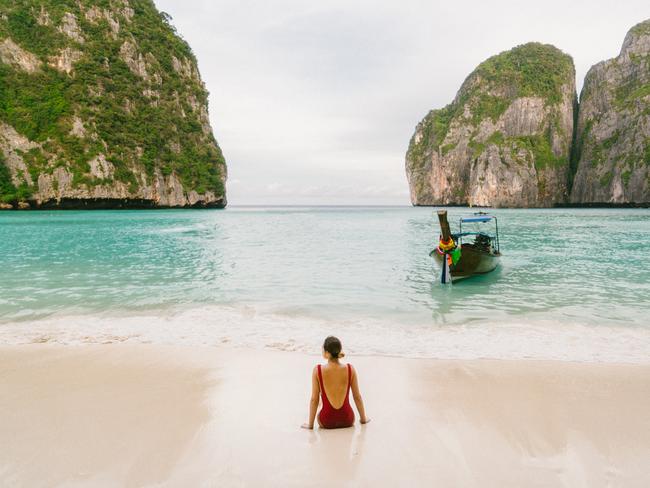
{"x": 143, "y": 415}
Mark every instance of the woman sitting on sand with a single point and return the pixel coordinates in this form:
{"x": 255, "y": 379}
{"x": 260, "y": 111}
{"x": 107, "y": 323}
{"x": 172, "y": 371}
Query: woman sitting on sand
{"x": 333, "y": 382}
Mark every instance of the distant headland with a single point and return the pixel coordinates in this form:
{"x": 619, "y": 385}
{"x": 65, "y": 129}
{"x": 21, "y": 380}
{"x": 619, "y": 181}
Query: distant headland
{"x": 102, "y": 107}
{"x": 516, "y": 135}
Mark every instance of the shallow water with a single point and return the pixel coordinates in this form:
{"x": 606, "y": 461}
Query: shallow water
{"x": 574, "y": 283}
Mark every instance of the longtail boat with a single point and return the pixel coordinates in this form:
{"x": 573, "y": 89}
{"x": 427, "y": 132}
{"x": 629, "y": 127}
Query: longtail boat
{"x": 460, "y": 259}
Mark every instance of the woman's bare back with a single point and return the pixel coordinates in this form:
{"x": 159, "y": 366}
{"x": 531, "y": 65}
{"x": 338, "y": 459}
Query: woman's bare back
{"x": 335, "y": 383}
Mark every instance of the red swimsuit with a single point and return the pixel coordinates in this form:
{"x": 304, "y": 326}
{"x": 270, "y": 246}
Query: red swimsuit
{"x": 335, "y": 418}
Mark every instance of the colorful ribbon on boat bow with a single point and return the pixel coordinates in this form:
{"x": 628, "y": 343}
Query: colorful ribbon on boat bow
{"x": 449, "y": 248}
{"x": 447, "y": 245}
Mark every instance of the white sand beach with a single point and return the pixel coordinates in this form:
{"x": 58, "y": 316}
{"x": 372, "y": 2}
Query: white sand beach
{"x": 144, "y": 415}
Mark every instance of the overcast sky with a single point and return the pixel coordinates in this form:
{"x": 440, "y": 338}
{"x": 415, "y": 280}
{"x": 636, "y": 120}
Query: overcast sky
{"x": 315, "y": 102}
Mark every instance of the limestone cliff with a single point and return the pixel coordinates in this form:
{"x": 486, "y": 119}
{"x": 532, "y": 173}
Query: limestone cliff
{"x": 613, "y": 137}
{"x": 102, "y": 105}
{"x": 506, "y": 138}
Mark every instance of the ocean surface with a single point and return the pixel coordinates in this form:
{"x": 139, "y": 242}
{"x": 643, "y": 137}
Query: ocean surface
{"x": 574, "y": 284}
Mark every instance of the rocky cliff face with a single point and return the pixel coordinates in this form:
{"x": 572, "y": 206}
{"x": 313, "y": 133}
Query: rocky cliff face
{"x": 102, "y": 105}
{"x": 613, "y": 138}
{"x": 506, "y": 138}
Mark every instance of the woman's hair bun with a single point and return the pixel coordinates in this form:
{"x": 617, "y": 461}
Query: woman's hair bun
{"x": 333, "y": 346}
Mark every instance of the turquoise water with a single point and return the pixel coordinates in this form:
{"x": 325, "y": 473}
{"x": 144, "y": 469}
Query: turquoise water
{"x": 280, "y": 277}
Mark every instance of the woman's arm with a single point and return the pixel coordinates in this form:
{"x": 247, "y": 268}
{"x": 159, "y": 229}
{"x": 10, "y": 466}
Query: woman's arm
{"x": 313, "y": 402}
{"x": 358, "y": 401}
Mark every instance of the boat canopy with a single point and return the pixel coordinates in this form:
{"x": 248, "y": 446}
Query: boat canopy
{"x": 477, "y": 218}
{"x": 465, "y": 234}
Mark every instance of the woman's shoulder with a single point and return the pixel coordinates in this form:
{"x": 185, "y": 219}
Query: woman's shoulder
{"x": 349, "y": 367}
{"x": 341, "y": 365}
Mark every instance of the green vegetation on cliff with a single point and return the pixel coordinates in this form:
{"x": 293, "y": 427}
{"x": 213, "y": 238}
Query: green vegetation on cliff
{"x": 540, "y": 147}
{"x": 641, "y": 29}
{"x": 629, "y": 93}
{"x": 8, "y": 191}
{"x": 35, "y": 104}
{"x": 132, "y": 83}
{"x": 529, "y": 70}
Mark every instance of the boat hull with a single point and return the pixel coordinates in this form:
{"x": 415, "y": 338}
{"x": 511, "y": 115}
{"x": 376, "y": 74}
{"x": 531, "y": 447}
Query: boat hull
{"x": 472, "y": 262}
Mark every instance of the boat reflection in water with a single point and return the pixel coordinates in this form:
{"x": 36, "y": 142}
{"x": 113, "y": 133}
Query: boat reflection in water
{"x": 460, "y": 259}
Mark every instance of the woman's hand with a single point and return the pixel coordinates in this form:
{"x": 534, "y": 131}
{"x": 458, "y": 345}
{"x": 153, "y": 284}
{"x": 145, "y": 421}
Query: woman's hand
{"x": 365, "y": 421}
{"x": 307, "y": 426}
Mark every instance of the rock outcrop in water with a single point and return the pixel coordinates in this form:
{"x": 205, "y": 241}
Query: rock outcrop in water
{"x": 102, "y": 105}
{"x": 613, "y": 136}
{"x": 506, "y": 138}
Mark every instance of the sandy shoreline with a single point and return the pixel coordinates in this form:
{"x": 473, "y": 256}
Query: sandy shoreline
{"x": 142, "y": 415}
